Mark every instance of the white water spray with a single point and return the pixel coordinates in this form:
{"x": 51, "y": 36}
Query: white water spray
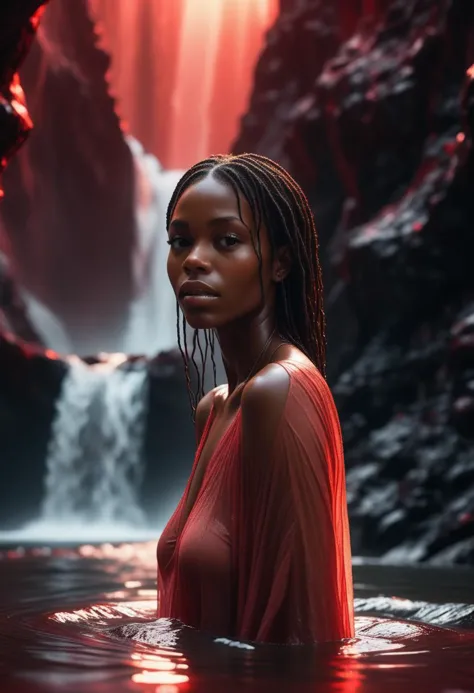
{"x": 94, "y": 461}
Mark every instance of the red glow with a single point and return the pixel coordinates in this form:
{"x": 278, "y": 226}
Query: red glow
{"x": 199, "y": 58}
{"x": 51, "y": 354}
{"x": 35, "y": 19}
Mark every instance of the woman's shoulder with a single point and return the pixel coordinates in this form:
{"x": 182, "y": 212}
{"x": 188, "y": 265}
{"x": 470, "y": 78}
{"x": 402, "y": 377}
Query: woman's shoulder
{"x": 275, "y": 378}
{"x": 269, "y": 391}
{"x": 288, "y": 403}
{"x": 204, "y": 407}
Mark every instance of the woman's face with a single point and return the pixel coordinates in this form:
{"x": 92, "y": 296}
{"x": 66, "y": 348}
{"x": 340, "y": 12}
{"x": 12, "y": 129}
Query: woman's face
{"x": 212, "y": 264}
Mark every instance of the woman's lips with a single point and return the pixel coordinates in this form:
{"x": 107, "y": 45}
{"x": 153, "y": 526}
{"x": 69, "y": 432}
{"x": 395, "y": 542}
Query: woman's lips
{"x": 196, "y": 294}
{"x": 197, "y": 300}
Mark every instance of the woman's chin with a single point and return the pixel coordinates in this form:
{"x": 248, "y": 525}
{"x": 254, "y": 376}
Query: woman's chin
{"x": 200, "y": 322}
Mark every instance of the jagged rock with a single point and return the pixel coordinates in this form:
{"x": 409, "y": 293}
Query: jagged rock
{"x": 416, "y": 258}
{"x": 304, "y": 36}
{"x": 18, "y": 23}
{"x": 376, "y": 95}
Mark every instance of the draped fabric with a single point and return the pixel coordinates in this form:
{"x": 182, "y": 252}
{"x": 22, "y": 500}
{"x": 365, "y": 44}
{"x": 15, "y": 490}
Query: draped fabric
{"x": 182, "y": 70}
{"x": 264, "y": 554}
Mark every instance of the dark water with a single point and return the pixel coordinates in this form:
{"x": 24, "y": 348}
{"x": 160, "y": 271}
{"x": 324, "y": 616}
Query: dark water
{"x": 82, "y": 620}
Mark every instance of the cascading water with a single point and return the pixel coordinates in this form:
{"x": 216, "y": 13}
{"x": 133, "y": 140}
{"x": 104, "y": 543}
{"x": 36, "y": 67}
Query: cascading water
{"x": 94, "y": 461}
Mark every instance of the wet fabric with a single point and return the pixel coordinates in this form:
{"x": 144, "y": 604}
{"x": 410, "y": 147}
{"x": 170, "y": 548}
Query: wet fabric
{"x": 264, "y": 554}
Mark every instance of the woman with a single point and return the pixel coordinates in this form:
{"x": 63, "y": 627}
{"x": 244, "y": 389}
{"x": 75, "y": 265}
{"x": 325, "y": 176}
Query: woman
{"x": 258, "y": 547}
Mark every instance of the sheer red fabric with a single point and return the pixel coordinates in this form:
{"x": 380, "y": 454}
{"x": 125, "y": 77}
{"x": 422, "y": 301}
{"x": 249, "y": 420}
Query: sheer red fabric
{"x": 264, "y": 554}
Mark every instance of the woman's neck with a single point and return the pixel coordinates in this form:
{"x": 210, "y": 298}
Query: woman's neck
{"x": 245, "y": 349}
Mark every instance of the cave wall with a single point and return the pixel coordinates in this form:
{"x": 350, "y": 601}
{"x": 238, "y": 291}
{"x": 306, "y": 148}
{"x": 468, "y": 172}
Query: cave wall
{"x": 373, "y": 115}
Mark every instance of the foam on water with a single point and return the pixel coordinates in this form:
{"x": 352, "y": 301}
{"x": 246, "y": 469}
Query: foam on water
{"x": 47, "y": 532}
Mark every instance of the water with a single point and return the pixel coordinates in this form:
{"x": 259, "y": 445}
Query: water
{"x": 94, "y": 461}
{"x": 81, "y": 619}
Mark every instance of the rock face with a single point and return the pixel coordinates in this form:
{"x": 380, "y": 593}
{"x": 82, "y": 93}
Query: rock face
{"x": 18, "y": 24}
{"x": 410, "y": 445}
{"x": 169, "y": 439}
{"x": 380, "y": 136}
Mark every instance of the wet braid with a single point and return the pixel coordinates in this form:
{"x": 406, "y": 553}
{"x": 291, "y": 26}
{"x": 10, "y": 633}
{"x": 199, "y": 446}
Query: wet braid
{"x": 278, "y": 202}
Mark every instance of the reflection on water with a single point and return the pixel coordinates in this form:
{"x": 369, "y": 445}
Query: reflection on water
{"x": 83, "y": 619}
{"x": 51, "y": 533}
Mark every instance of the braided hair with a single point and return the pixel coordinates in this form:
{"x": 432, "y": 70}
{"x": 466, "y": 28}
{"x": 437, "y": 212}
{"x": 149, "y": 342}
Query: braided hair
{"x": 277, "y": 201}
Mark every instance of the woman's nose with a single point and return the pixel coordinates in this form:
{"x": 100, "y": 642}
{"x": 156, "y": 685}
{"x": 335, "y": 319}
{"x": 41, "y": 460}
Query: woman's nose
{"x": 197, "y": 259}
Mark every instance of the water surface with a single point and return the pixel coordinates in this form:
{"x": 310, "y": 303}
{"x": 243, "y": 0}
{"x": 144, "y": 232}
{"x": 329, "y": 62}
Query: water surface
{"x": 82, "y": 619}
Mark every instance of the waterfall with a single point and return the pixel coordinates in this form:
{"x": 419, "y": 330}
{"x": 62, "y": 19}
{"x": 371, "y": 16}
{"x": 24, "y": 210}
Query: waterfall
{"x": 94, "y": 463}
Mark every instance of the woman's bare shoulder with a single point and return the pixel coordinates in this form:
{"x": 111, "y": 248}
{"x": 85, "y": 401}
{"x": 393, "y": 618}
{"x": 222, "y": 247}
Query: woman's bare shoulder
{"x": 265, "y": 396}
{"x": 204, "y": 407}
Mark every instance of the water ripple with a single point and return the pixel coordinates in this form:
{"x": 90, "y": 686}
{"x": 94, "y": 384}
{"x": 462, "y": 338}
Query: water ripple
{"x": 83, "y": 619}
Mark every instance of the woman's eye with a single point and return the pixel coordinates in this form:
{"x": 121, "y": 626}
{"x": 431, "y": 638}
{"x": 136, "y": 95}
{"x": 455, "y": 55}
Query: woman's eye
{"x": 177, "y": 242}
{"x": 228, "y": 241}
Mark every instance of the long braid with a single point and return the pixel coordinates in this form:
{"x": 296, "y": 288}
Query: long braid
{"x": 278, "y": 202}
{"x": 185, "y": 360}
{"x": 212, "y": 341}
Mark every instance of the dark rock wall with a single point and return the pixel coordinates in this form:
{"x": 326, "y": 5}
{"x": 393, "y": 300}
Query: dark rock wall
{"x": 18, "y": 23}
{"x": 408, "y": 401}
{"x": 379, "y": 134}
{"x": 169, "y": 439}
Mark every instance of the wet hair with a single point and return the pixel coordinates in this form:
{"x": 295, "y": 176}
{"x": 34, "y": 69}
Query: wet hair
{"x": 277, "y": 202}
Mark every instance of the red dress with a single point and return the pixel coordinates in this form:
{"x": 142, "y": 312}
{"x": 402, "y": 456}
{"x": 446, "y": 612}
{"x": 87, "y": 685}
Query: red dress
{"x": 266, "y": 556}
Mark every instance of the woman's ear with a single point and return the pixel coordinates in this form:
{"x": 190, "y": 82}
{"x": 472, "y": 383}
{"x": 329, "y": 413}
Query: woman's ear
{"x": 281, "y": 264}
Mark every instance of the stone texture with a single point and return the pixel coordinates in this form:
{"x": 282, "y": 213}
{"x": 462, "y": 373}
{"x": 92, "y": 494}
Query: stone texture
{"x": 18, "y": 23}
